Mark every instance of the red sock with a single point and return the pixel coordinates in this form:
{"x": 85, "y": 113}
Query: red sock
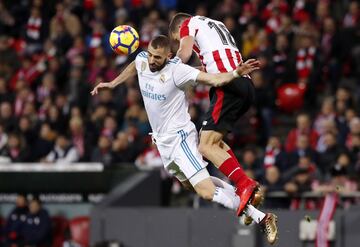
{"x": 232, "y": 170}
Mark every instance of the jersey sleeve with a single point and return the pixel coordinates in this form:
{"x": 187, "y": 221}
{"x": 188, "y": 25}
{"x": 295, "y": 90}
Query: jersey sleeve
{"x": 185, "y": 75}
{"x": 187, "y": 28}
{"x": 140, "y": 58}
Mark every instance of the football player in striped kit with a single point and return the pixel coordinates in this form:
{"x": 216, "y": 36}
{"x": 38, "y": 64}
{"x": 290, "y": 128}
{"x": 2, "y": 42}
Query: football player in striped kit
{"x": 218, "y": 53}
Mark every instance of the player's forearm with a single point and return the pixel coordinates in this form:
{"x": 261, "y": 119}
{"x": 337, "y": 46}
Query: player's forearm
{"x": 128, "y": 72}
{"x": 215, "y": 80}
{"x": 185, "y": 49}
{"x": 184, "y": 54}
{"x": 222, "y": 78}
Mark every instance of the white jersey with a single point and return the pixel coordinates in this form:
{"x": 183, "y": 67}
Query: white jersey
{"x": 163, "y": 94}
{"x": 214, "y": 44}
{"x": 167, "y": 108}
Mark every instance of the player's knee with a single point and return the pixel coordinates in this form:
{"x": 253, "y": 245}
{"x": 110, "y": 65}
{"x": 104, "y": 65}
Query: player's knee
{"x": 187, "y": 185}
{"x": 204, "y": 148}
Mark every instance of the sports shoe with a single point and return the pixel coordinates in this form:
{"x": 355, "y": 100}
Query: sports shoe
{"x": 270, "y": 228}
{"x": 256, "y": 201}
{"x": 245, "y": 190}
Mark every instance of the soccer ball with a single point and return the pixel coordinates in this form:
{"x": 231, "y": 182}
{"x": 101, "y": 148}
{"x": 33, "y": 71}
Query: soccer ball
{"x": 124, "y": 40}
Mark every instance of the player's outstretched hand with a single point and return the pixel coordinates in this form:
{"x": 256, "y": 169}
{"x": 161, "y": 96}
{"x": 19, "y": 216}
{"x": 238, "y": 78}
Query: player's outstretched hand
{"x": 247, "y": 67}
{"x": 101, "y": 85}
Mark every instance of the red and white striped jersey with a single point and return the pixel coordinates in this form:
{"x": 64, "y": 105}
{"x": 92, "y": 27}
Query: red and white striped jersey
{"x": 214, "y": 44}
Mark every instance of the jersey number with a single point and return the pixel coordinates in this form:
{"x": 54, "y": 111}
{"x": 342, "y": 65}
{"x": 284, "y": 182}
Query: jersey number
{"x": 223, "y": 33}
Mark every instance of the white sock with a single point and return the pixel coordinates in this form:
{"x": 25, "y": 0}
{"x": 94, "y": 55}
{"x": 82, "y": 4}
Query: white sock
{"x": 226, "y": 198}
{"x": 254, "y": 213}
{"x": 222, "y": 184}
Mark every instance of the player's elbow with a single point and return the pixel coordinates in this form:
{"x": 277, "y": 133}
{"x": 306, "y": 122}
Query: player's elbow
{"x": 184, "y": 54}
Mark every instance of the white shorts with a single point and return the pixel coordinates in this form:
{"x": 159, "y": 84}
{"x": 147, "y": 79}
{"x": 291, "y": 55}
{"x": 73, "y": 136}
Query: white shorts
{"x": 179, "y": 153}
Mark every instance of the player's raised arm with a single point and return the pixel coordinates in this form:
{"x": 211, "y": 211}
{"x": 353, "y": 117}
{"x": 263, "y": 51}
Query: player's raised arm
{"x": 185, "y": 48}
{"x": 221, "y": 79}
{"x": 128, "y": 72}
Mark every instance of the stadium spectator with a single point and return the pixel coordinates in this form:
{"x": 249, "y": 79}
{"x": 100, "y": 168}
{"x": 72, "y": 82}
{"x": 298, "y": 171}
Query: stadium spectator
{"x": 272, "y": 179}
{"x": 280, "y": 59}
{"x": 251, "y": 164}
{"x": 63, "y": 152}
{"x": 352, "y": 17}
{"x": 102, "y": 153}
{"x": 327, "y": 126}
{"x": 26, "y": 129}
{"x": 122, "y": 149}
{"x": 15, "y": 149}
{"x": 44, "y": 142}
{"x": 302, "y": 149}
{"x": 273, "y": 182}
{"x": 303, "y": 127}
{"x": 37, "y": 228}
{"x": 16, "y": 221}
{"x": 300, "y": 179}
{"x": 7, "y": 119}
{"x": 5, "y": 95}
{"x": 327, "y": 113}
{"x": 332, "y": 150}
{"x": 55, "y": 119}
{"x": 275, "y": 155}
{"x": 79, "y": 137}
{"x": 9, "y": 59}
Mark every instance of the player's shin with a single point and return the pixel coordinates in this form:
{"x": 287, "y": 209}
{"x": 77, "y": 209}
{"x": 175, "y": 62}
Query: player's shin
{"x": 231, "y": 168}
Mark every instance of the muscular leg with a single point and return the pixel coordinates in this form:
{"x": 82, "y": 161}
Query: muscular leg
{"x": 219, "y": 153}
{"x": 211, "y": 148}
{"x": 215, "y": 149}
{"x": 208, "y": 191}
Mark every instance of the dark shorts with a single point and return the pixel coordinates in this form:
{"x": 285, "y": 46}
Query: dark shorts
{"x": 228, "y": 104}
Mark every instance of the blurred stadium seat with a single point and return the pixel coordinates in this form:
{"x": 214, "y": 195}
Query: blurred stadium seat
{"x": 60, "y": 225}
{"x": 79, "y": 228}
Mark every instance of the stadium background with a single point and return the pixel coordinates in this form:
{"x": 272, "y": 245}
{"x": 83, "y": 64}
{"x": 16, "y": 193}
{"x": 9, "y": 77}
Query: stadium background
{"x": 301, "y": 136}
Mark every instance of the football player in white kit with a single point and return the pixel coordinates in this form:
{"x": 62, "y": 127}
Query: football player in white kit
{"x": 162, "y": 83}
{"x": 218, "y": 53}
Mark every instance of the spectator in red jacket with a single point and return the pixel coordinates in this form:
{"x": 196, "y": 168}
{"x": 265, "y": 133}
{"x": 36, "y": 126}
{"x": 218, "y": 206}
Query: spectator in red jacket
{"x": 303, "y": 127}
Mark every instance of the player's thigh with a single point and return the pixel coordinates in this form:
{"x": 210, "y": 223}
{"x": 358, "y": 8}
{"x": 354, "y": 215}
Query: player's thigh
{"x": 210, "y": 137}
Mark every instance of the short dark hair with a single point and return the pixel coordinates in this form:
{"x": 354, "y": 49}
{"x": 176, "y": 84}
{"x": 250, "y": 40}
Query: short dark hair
{"x": 160, "y": 41}
{"x": 176, "y": 21}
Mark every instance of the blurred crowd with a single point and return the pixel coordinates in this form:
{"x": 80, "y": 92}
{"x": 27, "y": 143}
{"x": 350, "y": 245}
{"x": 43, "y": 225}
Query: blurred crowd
{"x": 53, "y": 52}
{"x": 29, "y": 224}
